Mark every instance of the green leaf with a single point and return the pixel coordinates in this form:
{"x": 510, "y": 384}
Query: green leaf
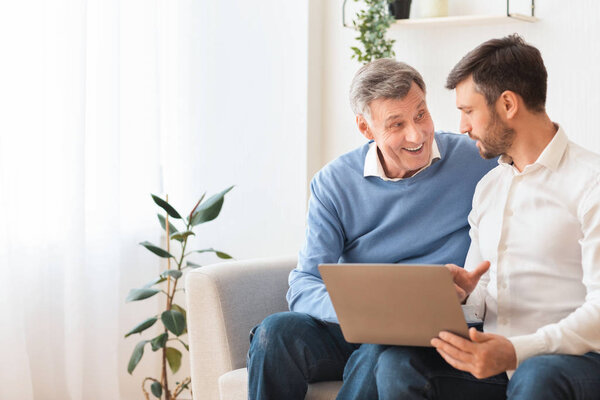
{"x": 136, "y": 356}
{"x": 156, "y": 389}
{"x": 196, "y": 206}
{"x": 173, "y": 273}
{"x": 163, "y": 223}
{"x": 181, "y": 236}
{"x": 193, "y": 265}
{"x": 140, "y": 294}
{"x": 142, "y": 326}
{"x": 219, "y": 254}
{"x": 174, "y": 358}
{"x": 174, "y": 321}
{"x": 159, "y": 341}
{"x": 157, "y": 250}
{"x": 187, "y": 347}
{"x": 155, "y": 281}
{"x": 222, "y": 255}
{"x": 180, "y": 309}
{"x": 210, "y": 209}
{"x": 166, "y": 206}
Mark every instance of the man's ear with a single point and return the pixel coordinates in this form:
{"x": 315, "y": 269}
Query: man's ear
{"x": 509, "y": 103}
{"x": 363, "y": 127}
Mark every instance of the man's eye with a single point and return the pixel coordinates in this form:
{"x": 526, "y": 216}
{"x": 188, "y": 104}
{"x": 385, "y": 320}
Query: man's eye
{"x": 420, "y": 115}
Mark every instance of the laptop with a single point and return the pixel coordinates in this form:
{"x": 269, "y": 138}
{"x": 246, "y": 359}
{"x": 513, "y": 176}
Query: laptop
{"x": 394, "y": 304}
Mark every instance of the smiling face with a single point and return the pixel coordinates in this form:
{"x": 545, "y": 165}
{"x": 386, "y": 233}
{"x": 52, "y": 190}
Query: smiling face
{"x": 483, "y": 123}
{"x": 403, "y": 131}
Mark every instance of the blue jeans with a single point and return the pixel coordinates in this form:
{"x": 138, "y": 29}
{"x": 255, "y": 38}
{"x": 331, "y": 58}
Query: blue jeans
{"x": 421, "y": 373}
{"x": 289, "y": 350}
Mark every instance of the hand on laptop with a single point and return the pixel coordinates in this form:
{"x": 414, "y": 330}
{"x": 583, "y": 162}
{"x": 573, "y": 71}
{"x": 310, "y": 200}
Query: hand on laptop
{"x": 485, "y": 355}
{"x": 465, "y": 281}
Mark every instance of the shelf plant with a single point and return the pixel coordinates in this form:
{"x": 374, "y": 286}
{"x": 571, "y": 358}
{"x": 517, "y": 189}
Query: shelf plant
{"x": 173, "y": 316}
{"x": 372, "y": 24}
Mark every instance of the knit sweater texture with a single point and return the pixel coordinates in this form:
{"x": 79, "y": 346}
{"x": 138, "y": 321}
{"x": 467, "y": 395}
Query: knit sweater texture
{"x": 358, "y": 219}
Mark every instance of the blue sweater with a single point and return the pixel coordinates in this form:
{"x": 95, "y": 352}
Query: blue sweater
{"x": 358, "y": 219}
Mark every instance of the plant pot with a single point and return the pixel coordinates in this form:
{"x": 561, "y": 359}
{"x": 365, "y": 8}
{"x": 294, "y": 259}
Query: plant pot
{"x": 433, "y": 8}
{"x": 400, "y": 9}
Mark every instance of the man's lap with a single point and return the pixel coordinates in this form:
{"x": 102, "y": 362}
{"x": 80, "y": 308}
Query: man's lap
{"x": 544, "y": 376}
{"x": 565, "y": 376}
{"x": 575, "y": 375}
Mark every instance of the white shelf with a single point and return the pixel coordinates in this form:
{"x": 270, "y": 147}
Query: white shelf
{"x": 465, "y": 20}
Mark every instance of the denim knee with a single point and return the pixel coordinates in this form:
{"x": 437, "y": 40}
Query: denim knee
{"x": 393, "y": 359}
{"x": 276, "y": 330}
{"x": 540, "y": 377}
{"x": 398, "y": 374}
{"x": 364, "y": 359}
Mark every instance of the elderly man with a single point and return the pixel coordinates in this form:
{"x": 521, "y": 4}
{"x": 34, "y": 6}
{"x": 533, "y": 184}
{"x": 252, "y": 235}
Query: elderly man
{"x": 403, "y": 197}
{"x": 536, "y": 221}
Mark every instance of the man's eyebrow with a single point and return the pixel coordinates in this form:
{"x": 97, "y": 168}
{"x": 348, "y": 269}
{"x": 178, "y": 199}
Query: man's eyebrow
{"x": 462, "y": 107}
{"x": 393, "y": 117}
{"x": 398, "y": 116}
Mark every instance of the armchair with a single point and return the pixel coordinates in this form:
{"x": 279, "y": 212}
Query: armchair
{"x": 224, "y": 302}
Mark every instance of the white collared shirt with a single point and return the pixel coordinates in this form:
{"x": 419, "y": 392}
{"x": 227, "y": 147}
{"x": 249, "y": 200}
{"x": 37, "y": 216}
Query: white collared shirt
{"x": 373, "y": 165}
{"x": 540, "y": 230}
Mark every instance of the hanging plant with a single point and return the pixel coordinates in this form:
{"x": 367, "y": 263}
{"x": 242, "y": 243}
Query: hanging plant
{"x": 372, "y": 24}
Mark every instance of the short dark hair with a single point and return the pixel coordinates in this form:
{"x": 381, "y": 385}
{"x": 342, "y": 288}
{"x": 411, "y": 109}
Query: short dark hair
{"x": 504, "y": 64}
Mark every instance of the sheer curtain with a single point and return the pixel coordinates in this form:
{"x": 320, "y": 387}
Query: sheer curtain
{"x": 86, "y": 114}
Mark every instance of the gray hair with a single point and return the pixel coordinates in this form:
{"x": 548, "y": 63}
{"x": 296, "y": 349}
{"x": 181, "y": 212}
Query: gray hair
{"x": 383, "y": 78}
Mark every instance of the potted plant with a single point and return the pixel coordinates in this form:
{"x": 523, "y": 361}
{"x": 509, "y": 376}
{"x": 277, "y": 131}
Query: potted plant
{"x": 372, "y": 24}
{"x": 173, "y": 318}
{"x": 400, "y": 9}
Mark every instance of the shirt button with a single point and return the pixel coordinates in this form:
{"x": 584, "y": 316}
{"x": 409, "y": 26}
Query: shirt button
{"x": 502, "y": 248}
{"x": 508, "y": 213}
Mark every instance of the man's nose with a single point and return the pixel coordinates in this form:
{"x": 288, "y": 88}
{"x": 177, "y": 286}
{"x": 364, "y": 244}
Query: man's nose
{"x": 465, "y": 126}
{"x": 413, "y": 134}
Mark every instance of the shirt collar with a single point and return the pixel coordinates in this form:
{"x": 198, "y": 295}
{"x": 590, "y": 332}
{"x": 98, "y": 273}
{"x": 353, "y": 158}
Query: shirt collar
{"x": 373, "y": 165}
{"x": 551, "y": 155}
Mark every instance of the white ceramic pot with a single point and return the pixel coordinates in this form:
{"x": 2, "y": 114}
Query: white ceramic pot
{"x": 433, "y": 8}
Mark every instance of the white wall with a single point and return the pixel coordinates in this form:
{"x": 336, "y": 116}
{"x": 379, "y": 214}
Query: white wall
{"x": 567, "y": 35}
{"x": 248, "y": 102}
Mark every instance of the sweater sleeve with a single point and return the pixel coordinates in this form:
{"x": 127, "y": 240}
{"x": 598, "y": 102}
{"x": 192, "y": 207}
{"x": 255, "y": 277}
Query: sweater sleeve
{"x": 323, "y": 244}
{"x": 578, "y": 332}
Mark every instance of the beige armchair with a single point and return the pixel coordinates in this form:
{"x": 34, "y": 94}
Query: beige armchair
{"x": 224, "y": 302}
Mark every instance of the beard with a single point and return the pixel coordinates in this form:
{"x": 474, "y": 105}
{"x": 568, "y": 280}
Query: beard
{"x": 499, "y": 138}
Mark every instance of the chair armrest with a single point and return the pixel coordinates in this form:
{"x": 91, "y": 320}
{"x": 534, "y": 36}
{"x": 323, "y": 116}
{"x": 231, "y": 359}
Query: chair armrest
{"x": 224, "y": 301}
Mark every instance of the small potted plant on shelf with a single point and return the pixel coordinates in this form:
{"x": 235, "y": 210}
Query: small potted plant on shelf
{"x": 400, "y": 9}
{"x": 372, "y": 24}
{"x": 173, "y": 318}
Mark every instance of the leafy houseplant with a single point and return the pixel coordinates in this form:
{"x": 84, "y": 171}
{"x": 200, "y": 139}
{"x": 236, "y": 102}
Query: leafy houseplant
{"x": 372, "y": 24}
{"x": 173, "y": 317}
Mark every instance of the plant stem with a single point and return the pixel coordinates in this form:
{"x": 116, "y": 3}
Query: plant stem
{"x": 180, "y": 388}
{"x": 170, "y": 297}
{"x": 164, "y": 380}
{"x": 164, "y": 349}
{"x": 179, "y": 264}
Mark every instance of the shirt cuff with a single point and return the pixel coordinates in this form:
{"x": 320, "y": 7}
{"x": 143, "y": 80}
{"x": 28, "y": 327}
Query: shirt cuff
{"x": 527, "y": 346}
